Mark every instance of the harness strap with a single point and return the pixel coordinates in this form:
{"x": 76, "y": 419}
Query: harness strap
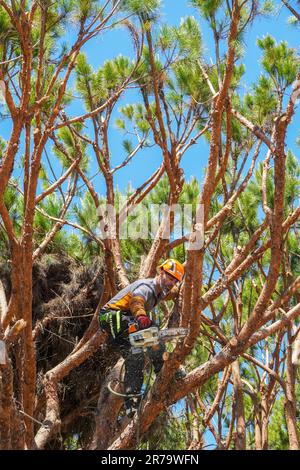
{"x": 111, "y": 324}
{"x": 118, "y": 317}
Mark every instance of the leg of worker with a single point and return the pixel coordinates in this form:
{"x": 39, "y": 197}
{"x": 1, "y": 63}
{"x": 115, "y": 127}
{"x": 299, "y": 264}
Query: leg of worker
{"x": 156, "y": 356}
{"x": 134, "y": 373}
{"x": 134, "y": 366}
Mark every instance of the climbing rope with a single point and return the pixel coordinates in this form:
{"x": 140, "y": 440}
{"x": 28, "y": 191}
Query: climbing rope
{"x": 118, "y": 394}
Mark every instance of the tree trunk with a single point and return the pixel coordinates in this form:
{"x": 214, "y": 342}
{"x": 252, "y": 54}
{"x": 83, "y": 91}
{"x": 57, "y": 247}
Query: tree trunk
{"x": 6, "y": 405}
{"x": 195, "y": 441}
{"x": 29, "y": 365}
{"x": 257, "y": 425}
{"x": 108, "y": 409}
{"x": 264, "y": 422}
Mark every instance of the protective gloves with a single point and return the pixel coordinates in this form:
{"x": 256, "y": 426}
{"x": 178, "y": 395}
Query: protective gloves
{"x": 144, "y": 322}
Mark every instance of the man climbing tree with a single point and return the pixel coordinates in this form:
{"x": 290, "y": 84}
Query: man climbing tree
{"x": 131, "y": 309}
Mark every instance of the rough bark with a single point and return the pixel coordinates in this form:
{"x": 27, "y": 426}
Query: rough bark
{"x": 240, "y": 441}
{"x": 107, "y": 410}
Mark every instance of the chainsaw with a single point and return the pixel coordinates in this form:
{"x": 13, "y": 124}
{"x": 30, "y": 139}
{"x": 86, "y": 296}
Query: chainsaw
{"x": 152, "y": 337}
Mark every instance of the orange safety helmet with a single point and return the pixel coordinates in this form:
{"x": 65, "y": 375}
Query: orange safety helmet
{"x": 173, "y": 267}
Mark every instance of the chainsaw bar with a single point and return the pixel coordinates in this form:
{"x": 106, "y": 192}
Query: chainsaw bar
{"x": 172, "y": 333}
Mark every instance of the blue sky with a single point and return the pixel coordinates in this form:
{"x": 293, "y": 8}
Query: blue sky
{"x": 114, "y": 43}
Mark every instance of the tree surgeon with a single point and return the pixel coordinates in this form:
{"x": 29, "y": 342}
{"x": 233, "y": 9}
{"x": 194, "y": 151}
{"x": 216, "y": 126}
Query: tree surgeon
{"x": 133, "y": 306}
